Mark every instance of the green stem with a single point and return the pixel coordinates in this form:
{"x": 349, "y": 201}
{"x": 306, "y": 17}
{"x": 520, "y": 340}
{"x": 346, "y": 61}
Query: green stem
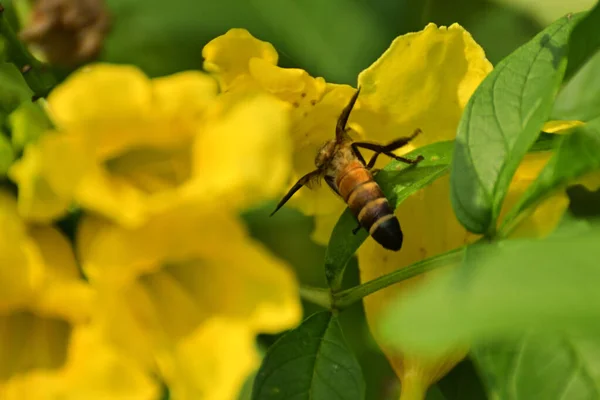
{"x": 318, "y": 296}
{"x": 39, "y": 80}
{"x": 347, "y": 297}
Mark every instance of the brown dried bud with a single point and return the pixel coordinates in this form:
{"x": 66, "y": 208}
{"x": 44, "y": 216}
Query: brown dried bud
{"x": 68, "y": 32}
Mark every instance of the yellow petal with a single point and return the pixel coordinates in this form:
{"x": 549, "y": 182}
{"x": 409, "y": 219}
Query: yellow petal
{"x": 423, "y": 80}
{"x": 560, "y": 126}
{"x": 64, "y": 293}
{"x": 48, "y": 174}
{"x": 292, "y": 85}
{"x": 244, "y": 153}
{"x": 212, "y": 363}
{"x": 184, "y": 93}
{"x": 93, "y": 370}
{"x": 21, "y": 263}
{"x": 39, "y": 270}
{"x": 160, "y": 286}
{"x": 228, "y": 55}
{"x": 96, "y": 92}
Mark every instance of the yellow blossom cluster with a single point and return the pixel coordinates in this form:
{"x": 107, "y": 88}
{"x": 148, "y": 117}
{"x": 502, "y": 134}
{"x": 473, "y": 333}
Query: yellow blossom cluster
{"x": 161, "y": 284}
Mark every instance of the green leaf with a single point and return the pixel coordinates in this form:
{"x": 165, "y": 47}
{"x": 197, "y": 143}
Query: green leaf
{"x": 502, "y": 290}
{"x": 501, "y": 122}
{"x": 28, "y": 122}
{"x": 536, "y": 366}
{"x": 37, "y": 77}
{"x": 310, "y": 362}
{"x": 14, "y": 88}
{"x": 398, "y": 181}
{"x": 544, "y": 142}
{"x": 584, "y": 41}
{"x": 577, "y": 154}
{"x": 579, "y": 100}
{"x": 7, "y": 155}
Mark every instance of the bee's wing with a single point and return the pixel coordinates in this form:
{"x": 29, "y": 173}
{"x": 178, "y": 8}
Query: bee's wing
{"x": 314, "y": 180}
{"x": 308, "y": 180}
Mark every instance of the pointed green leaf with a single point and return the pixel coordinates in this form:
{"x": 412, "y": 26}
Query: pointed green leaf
{"x": 311, "y": 362}
{"x": 7, "y": 155}
{"x": 501, "y": 122}
{"x": 537, "y": 366}
{"x": 28, "y": 122}
{"x": 584, "y": 41}
{"x": 503, "y": 289}
{"x": 580, "y": 98}
{"x": 398, "y": 181}
{"x": 14, "y": 88}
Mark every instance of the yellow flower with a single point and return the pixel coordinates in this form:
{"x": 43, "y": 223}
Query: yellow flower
{"x": 242, "y": 63}
{"x": 48, "y": 348}
{"x": 126, "y": 146}
{"x": 186, "y": 293}
{"x": 423, "y": 80}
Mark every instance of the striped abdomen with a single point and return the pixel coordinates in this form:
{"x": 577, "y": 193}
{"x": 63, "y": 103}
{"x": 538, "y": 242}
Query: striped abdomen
{"x": 366, "y": 201}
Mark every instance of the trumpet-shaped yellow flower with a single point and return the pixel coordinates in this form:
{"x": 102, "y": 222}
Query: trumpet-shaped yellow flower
{"x": 126, "y": 146}
{"x": 48, "y": 348}
{"x": 186, "y": 293}
{"x": 423, "y": 81}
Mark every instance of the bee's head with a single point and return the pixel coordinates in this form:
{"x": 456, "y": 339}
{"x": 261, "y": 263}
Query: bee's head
{"x": 325, "y": 154}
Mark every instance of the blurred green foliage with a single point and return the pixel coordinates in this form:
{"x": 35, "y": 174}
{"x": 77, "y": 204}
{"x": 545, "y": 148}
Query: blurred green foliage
{"x": 335, "y": 38}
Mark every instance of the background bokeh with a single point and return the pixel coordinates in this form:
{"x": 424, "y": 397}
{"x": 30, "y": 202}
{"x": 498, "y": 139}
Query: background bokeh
{"x": 335, "y": 39}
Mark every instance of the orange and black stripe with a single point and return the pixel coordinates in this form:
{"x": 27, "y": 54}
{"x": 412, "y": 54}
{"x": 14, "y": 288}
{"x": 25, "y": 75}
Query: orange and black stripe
{"x": 367, "y": 202}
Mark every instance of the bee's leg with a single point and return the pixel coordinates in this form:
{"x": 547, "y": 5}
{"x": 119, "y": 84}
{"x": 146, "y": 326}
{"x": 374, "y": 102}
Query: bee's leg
{"x": 403, "y": 159}
{"x": 387, "y": 149}
{"x": 357, "y": 153}
{"x": 331, "y": 183}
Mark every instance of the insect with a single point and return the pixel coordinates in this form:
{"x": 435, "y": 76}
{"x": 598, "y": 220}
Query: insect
{"x": 343, "y": 167}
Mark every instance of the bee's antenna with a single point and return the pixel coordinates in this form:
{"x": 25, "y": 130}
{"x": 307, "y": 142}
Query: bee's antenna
{"x": 340, "y": 128}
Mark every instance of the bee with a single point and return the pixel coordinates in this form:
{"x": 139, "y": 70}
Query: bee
{"x": 340, "y": 163}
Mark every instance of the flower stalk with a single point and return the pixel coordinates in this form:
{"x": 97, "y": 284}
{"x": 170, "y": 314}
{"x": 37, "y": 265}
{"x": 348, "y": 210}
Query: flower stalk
{"x": 345, "y": 298}
{"x": 39, "y": 79}
{"x": 348, "y": 297}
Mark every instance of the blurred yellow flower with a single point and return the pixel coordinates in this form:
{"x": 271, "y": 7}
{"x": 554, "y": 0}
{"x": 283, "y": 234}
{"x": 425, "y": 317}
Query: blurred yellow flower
{"x": 162, "y": 168}
{"x": 186, "y": 293}
{"x": 49, "y": 349}
{"x": 126, "y": 146}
